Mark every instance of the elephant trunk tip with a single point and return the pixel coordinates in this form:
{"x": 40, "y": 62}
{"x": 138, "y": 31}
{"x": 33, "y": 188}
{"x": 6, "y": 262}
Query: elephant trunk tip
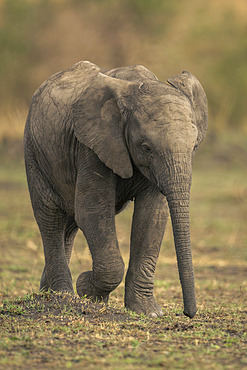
{"x": 190, "y": 312}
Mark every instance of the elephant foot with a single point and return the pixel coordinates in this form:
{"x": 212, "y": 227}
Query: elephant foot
{"x": 85, "y": 287}
{"x": 143, "y": 305}
{"x": 60, "y": 285}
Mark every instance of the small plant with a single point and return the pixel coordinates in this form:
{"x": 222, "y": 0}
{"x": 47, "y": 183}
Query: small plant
{"x": 12, "y": 308}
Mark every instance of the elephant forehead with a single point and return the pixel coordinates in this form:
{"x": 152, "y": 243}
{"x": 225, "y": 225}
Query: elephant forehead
{"x": 168, "y": 108}
{"x": 170, "y": 103}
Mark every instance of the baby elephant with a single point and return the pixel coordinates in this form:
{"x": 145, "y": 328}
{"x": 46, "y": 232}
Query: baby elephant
{"x": 96, "y": 139}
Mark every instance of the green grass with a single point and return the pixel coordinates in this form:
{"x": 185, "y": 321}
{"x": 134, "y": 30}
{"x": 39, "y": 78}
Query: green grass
{"x": 60, "y": 331}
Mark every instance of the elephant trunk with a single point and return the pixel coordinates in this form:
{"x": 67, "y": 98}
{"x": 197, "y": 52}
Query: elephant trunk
{"x": 177, "y": 191}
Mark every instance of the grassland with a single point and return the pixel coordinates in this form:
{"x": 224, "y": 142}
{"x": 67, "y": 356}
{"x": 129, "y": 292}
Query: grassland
{"x": 61, "y": 331}
{"x": 42, "y": 331}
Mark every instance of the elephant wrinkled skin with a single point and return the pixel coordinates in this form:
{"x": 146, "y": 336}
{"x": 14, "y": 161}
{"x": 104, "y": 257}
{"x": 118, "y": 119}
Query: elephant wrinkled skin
{"x": 96, "y": 139}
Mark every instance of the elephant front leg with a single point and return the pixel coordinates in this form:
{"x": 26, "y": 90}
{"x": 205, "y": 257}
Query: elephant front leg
{"x": 108, "y": 266}
{"x": 149, "y": 221}
{"x": 95, "y": 216}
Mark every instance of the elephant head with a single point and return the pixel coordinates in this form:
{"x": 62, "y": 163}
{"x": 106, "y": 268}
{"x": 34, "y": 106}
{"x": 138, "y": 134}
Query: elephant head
{"x": 156, "y": 127}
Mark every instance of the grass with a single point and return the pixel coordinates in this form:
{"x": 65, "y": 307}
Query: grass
{"x": 44, "y": 330}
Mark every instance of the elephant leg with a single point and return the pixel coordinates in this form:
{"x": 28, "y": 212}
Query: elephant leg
{"x": 148, "y": 226}
{"x": 44, "y": 283}
{"x": 108, "y": 267}
{"x": 56, "y": 274}
{"x": 69, "y": 235}
{"x": 52, "y": 222}
{"x": 95, "y": 215}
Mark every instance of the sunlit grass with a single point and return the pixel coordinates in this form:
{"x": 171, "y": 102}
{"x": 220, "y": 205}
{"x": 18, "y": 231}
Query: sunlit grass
{"x": 12, "y": 122}
{"x": 214, "y": 339}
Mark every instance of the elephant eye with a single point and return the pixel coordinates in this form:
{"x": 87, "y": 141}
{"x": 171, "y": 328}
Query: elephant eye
{"x": 146, "y": 148}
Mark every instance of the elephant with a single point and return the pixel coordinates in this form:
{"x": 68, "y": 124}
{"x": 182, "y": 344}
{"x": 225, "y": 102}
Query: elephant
{"x": 96, "y": 139}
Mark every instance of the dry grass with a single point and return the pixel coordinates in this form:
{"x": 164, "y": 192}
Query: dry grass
{"x": 49, "y": 331}
{"x": 12, "y": 122}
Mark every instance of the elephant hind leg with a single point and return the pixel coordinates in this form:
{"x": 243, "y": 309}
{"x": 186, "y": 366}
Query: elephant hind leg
{"x": 44, "y": 283}
{"x": 56, "y": 274}
{"x": 70, "y": 232}
{"x": 54, "y": 226}
{"x": 69, "y": 235}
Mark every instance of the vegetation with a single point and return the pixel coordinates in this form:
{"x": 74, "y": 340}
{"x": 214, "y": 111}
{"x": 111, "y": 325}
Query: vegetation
{"x": 47, "y": 330}
{"x": 208, "y": 38}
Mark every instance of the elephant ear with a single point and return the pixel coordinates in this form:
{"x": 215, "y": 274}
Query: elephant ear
{"x": 98, "y": 123}
{"x": 191, "y": 87}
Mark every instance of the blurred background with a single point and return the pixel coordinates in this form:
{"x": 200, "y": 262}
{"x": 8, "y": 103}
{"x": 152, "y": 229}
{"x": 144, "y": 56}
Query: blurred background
{"x": 207, "y": 38}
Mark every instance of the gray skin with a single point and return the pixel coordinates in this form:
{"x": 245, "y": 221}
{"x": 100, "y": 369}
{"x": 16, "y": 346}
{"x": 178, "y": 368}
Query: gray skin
{"x": 96, "y": 139}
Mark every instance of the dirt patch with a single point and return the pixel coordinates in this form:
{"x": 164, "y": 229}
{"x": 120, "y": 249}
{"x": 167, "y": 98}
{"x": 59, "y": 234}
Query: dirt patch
{"x": 61, "y": 307}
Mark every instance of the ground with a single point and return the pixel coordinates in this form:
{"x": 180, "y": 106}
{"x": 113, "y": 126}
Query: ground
{"x": 45, "y": 330}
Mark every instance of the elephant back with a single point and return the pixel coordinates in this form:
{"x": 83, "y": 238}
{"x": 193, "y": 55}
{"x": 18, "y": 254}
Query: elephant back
{"x": 136, "y": 73}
